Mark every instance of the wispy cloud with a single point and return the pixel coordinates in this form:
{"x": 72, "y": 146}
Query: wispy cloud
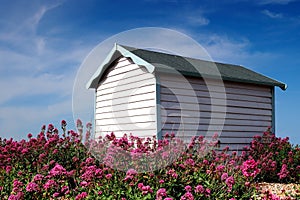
{"x": 34, "y": 67}
{"x": 196, "y": 17}
{"x": 198, "y": 20}
{"x": 272, "y": 14}
{"x": 17, "y": 121}
{"x": 237, "y": 50}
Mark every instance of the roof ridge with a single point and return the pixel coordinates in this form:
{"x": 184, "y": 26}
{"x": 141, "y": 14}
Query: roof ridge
{"x": 186, "y": 57}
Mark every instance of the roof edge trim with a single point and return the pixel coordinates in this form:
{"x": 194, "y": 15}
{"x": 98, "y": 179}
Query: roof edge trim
{"x": 116, "y": 52}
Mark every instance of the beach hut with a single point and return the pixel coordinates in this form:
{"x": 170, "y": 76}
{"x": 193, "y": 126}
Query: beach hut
{"x": 147, "y": 93}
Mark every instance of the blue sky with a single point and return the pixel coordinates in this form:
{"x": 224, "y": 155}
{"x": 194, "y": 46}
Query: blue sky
{"x": 43, "y": 43}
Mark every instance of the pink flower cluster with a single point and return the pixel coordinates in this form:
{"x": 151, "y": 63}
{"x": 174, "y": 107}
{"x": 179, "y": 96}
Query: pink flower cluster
{"x": 59, "y": 166}
{"x": 145, "y": 189}
{"x": 250, "y": 168}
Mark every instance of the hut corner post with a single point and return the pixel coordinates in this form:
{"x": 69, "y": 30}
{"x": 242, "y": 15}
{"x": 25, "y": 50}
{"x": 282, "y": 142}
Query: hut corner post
{"x": 158, "y": 109}
{"x": 273, "y": 110}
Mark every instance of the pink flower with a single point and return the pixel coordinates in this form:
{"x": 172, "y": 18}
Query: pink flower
{"x": 199, "y": 189}
{"x": 18, "y": 196}
{"x": 108, "y": 176}
{"x": 161, "y": 193}
{"x": 224, "y": 176}
{"x": 82, "y": 195}
{"x": 172, "y": 173}
{"x": 83, "y": 184}
{"x": 205, "y": 162}
{"x": 90, "y": 161}
{"x": 57, "y": 170}
{"x": 190, "y": 162}
{"x": 168, "y": 198}
{"x": 32, "y": 187}
{"x": 188, "y": 188}
{"x": 229, "y": 182}
{"x": 63, "y": 124}
{"x": 29, "y": 135}
{"x": 38, "y": 177}
{"x": 24, "y": 151}
{"x": 8, "y": 169}
{"x": 17, "y": 184}
{"x": 161, "y": 181}
{"x": 65, "y": 190}
{"x": 91, "y": 172}
{"x": 187, "y": 196}
{"x": 207, "y": 191}
{"x": 131, "y": 172}
{"x": 283, "y": 172}
{"x": 140, "y": 185}
{"x": 220, "y": 168}
{"x": 50, "y": 184}
{"x": 50, "y": 128}
{"x": 128, "y": 178}
{"x": 56, "y": 194}
{"x": 146, "y": 189}
{"x": 250, "y": 168}
{"x": 42, "y": 156}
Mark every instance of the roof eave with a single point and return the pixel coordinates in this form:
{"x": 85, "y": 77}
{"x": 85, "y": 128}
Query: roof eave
{"x": 116, "y": 52}
{"x": 282, "y": 86}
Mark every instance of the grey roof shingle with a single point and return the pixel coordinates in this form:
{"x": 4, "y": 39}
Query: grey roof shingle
{"x": 196, "y": 67}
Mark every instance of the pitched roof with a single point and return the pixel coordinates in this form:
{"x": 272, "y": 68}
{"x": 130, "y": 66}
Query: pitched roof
{"x": 163, "y": 62}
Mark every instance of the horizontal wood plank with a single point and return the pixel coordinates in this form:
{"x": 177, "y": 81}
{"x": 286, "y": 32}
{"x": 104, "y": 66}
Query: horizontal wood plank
{"x": 214, "y": 82}
{"x": 212, "y": 88}
{"x": 215, "y": 128}
{"x": 149, "y": 84}
{"x": 183, "y": 107}
{"x": 217, "y": 95}
{"x": 208, "y": 101}
{"x": 202, "y": 121}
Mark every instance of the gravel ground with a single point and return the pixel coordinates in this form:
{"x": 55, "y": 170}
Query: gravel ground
{"x": 281, "y": 190}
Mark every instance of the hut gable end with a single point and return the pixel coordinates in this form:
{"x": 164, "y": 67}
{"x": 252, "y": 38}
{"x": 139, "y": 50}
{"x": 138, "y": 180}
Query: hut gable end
{"x": 125, "y": 100}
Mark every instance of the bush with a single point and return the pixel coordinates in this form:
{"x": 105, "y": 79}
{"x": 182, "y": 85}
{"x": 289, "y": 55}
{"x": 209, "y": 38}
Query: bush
{"x": 277, "y": 160}
{"x": 54, "y": 166}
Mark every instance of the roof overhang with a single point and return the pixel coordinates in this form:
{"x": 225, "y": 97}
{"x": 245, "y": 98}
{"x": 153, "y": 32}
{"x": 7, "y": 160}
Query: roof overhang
{"x": 116, "y": 52}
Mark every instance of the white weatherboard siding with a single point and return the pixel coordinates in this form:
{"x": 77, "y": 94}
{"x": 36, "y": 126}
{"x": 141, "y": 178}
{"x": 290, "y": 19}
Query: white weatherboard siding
{"x": 126, "y": 101}
{"x": 248, "y": 111}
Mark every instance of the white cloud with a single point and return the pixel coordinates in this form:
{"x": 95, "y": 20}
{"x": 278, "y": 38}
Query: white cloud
{"x": 223, "y": 48}
{"x": 15, "y": 87}
{"x": 198, "y": 20}
{"x": 40, "y": 43}
{"x": 21, "y": 32}
{"x": 33, "y": 67}
{"x": 17, "y": 121}
{"x": 272, "y": 14}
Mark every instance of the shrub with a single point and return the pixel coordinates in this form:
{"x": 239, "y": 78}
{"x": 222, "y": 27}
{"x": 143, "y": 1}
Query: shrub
{"x": 277, "y": 159}
{"x": 54, "y": 166}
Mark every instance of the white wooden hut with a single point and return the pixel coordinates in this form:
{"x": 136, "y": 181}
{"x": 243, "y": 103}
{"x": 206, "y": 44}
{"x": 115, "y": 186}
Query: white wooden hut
{"x": 150, "y": 93}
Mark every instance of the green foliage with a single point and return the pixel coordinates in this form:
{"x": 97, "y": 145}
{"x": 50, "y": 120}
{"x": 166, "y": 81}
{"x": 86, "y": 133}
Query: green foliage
{"x": 53, "y": 166}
